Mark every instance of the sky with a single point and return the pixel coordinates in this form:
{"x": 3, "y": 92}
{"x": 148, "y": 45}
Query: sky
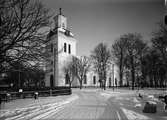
{"x": 95, "y": 21}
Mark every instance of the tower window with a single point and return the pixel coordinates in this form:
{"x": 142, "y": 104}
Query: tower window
{"x": 65, "y": 47}
{"x": 69, "y": 49}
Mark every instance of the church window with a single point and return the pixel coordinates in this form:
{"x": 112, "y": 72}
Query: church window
{"x": 94, "y": 79}
{"x": 85, "y": 79}
{"x": 65, "y": 47}
{"x": 69, "y": 49}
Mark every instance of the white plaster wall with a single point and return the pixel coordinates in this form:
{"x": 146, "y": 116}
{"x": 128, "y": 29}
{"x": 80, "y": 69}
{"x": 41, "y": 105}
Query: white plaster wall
{"x": 91, "y": 73}
{"x": 64, "y": 57}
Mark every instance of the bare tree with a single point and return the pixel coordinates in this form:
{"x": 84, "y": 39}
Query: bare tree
{"x": 20, "y": 39}
{"x": 70, "y": 70}
{"x": 142, "y": 49}
{"x": 83, "y": 65}
{"x": 159, "y": 44}
{"x": 132, "y": 56}
{"x": 119, "y": 53}
{"x": 101, "y": 58}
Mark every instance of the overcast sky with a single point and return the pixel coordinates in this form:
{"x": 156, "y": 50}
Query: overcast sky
{"x": 95, "y": 21}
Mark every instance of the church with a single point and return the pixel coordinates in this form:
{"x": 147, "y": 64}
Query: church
{"x": 61, "y": 46}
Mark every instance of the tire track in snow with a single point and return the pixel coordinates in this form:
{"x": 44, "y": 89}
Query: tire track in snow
{"x": 37, "y": 113}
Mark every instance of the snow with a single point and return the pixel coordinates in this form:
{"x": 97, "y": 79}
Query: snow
{"x": 138, "y": 105}
{"x": 36, "y": 111}
{"x": 151, "y": 96}
{"x": 152, "y": 102}
{"x": 108, "y": 94}
{"x": 135, "y": 100}
{"x": 131, "y": 115}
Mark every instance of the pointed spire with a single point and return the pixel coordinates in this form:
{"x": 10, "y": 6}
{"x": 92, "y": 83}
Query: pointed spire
{"x": 60, "y": 11}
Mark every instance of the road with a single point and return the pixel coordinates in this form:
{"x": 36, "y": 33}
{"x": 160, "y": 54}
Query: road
{"x": 92, "y": 104}
{"x": 107, "y": 105}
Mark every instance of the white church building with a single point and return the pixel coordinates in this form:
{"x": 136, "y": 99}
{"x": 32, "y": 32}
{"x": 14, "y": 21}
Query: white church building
{"x": 60, "y": 48}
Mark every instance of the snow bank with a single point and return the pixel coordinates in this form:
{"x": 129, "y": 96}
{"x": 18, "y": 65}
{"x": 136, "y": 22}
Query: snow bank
{"x": 135, "y": 100}
{"x": 108, "y": 94}
{"x": 131, "y": 115}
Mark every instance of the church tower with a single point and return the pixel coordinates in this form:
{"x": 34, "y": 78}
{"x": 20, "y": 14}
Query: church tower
{"x": 60, "y": 48}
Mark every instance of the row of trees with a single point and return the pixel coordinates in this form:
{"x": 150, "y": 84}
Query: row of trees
{"x": 143, "y": 64}
{"x": 140, "y": 64}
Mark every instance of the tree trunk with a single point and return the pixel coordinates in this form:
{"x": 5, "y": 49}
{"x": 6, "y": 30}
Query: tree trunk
{"x": 105, "y": 79}
{"x": 80, "y": 85}
{"x": 70, "y": 81}
{"x": 70, "y": 84}
{"x": 80, "y": 81}
{"x": 151, "y": 80}
{"x": 121, "y": 70}
{"x": 132, "y": 73}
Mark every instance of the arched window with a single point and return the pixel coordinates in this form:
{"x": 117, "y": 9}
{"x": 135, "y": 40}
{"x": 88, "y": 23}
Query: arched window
{"x": 94, "y": 79}
{"x": 85, "y": 79}
{"x": 65, "y": 47}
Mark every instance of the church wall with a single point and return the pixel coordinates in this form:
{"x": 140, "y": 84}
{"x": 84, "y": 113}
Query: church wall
{"x": 109, "y": 76}
{"x": 64, "y": 57}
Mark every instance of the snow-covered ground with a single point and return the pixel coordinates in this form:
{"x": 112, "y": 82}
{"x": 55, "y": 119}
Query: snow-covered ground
{"x": 127, "y": 101}
{"x": 132, "y": 104}
{"x": 36, "y": 109}
{"x": 131, "y": 115}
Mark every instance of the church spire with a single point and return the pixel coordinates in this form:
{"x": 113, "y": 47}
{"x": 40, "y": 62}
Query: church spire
{"x": 60, "y": 12}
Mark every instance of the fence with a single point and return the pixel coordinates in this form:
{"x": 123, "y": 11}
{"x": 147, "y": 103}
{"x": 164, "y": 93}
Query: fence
{"x": 7, "y": 95}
